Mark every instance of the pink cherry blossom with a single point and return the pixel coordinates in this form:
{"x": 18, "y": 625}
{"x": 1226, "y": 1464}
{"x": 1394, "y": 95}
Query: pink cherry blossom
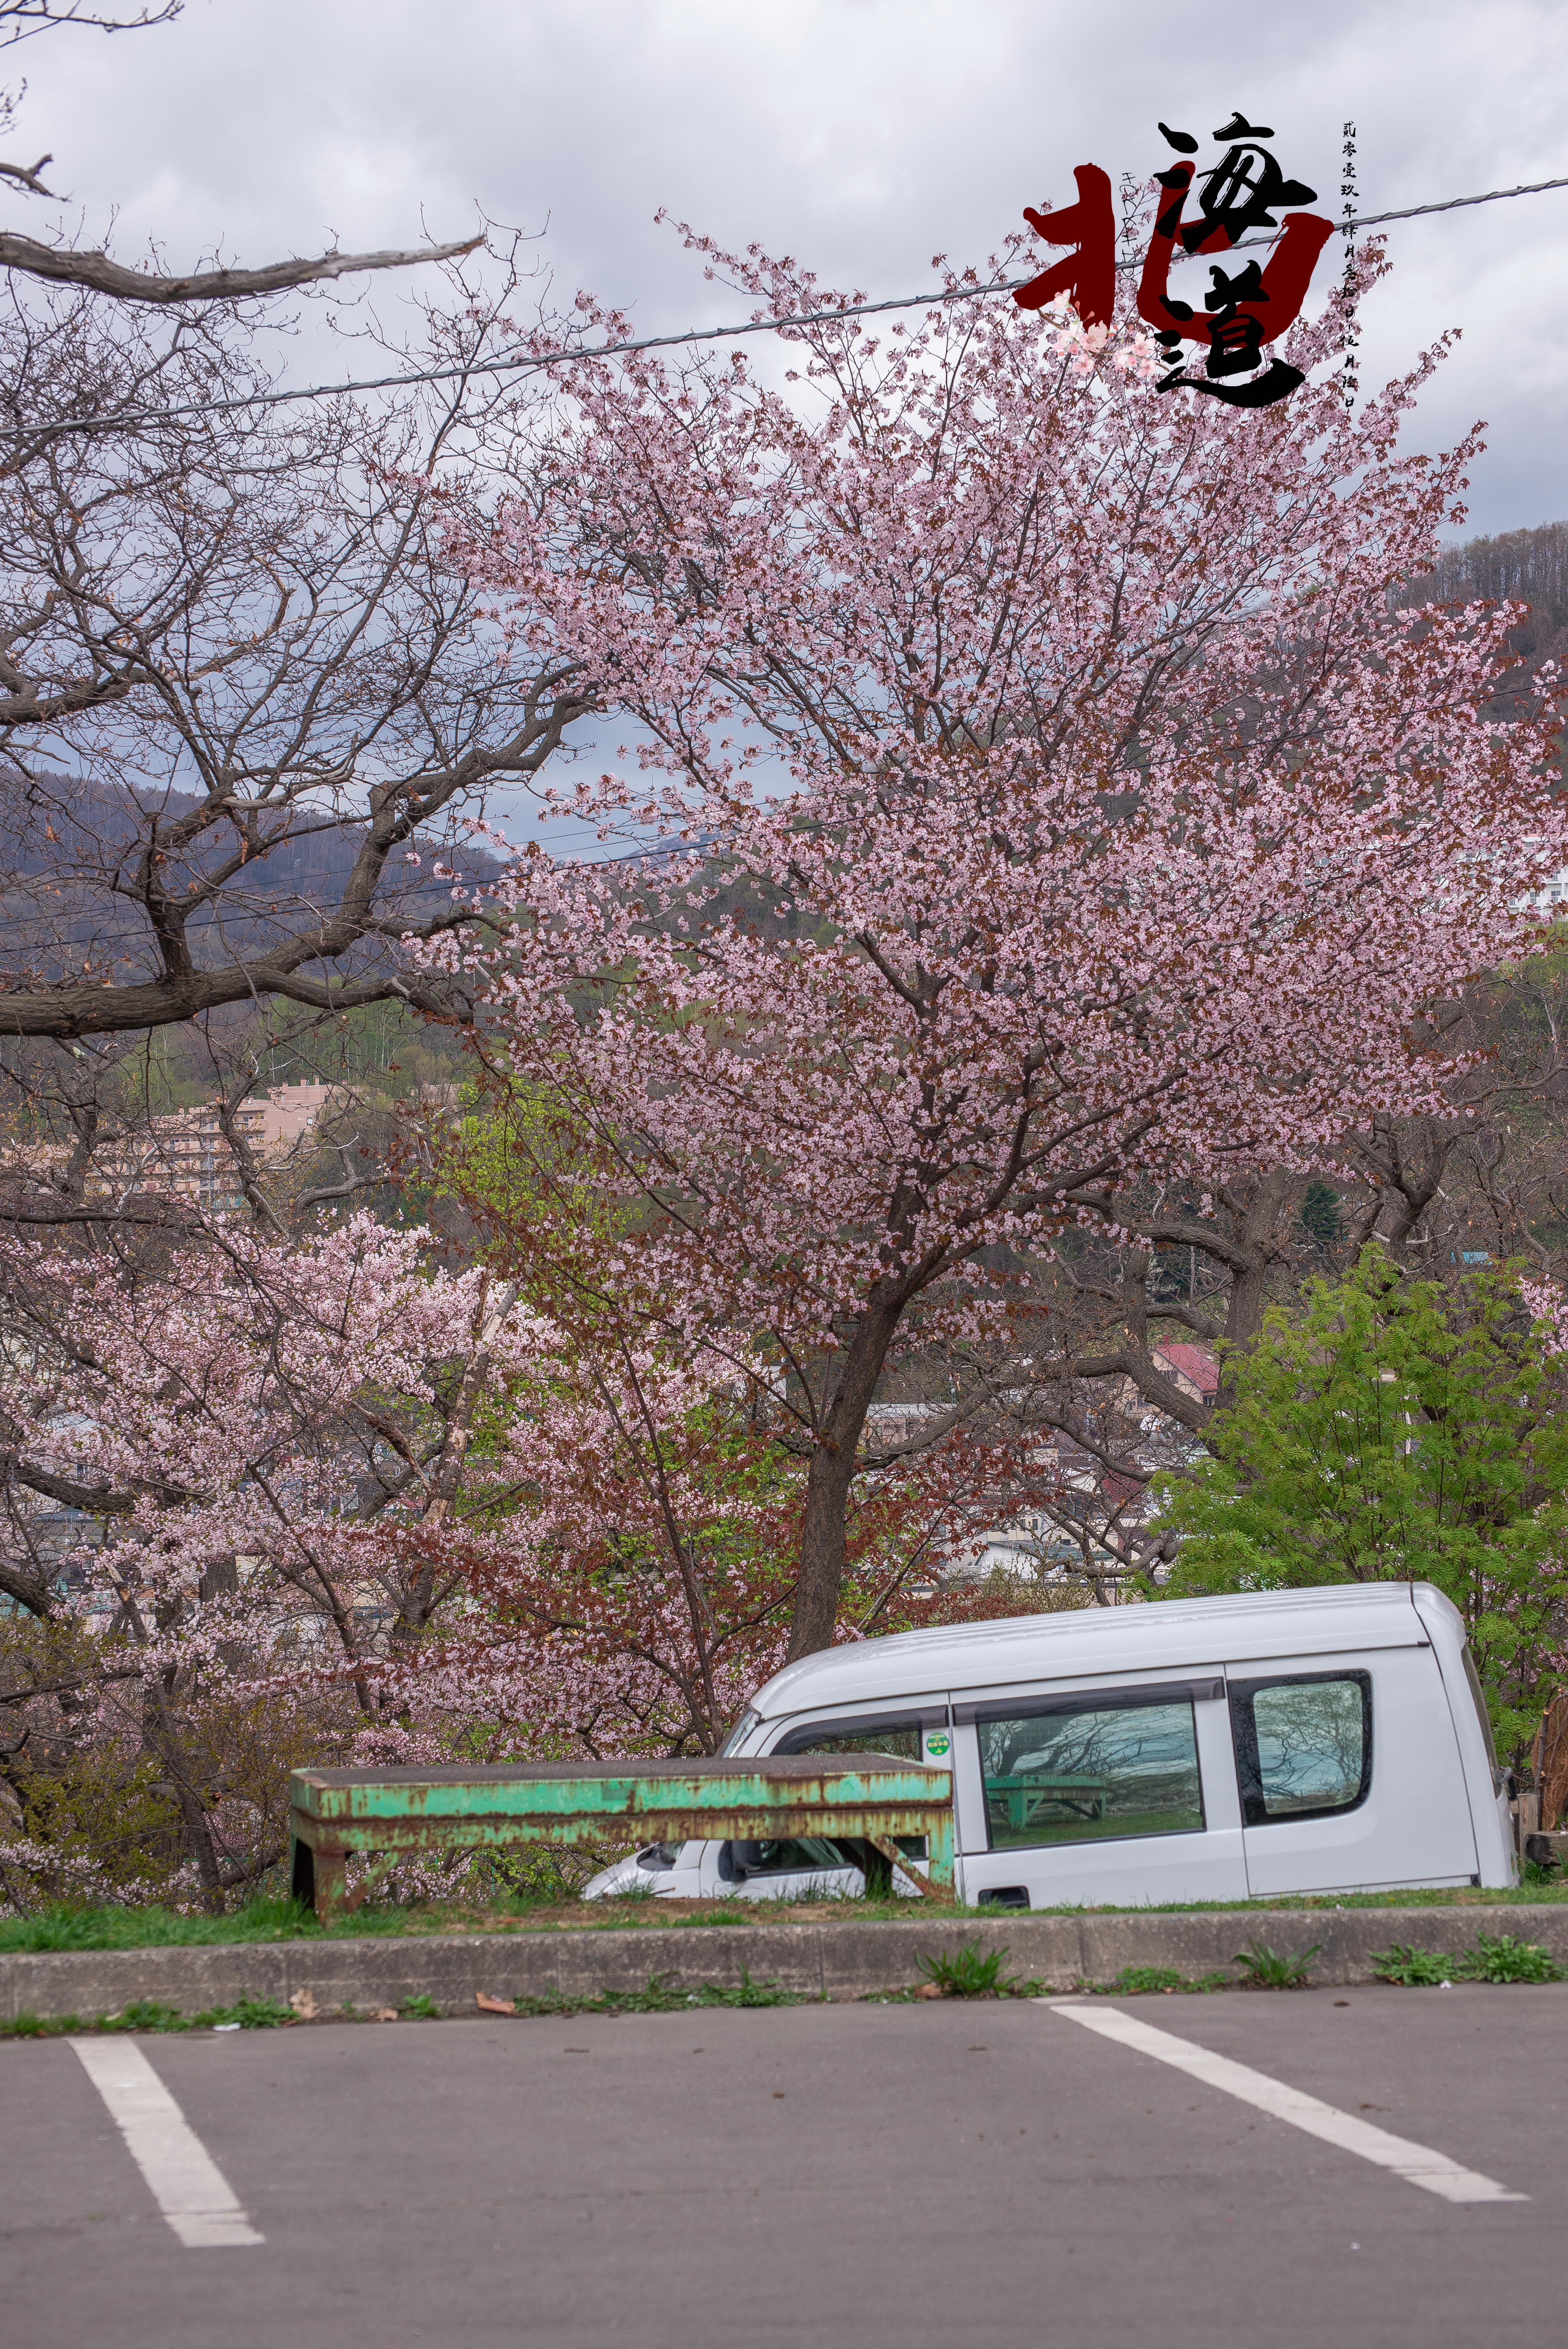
{"x": 1066, "y": 809}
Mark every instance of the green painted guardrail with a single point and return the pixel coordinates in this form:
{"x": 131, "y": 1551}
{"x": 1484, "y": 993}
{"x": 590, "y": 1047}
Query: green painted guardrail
{"x": 869, "y": 1799}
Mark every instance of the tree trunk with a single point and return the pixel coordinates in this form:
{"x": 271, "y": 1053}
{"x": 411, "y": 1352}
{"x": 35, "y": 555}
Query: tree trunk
{"x": 828, "y": 1484}
{"x": 1405, "y": 1161}
{"x": 446, "y": 1476}
{"x": 1260, "y": 1211}
{"x": 163, "y": 1738}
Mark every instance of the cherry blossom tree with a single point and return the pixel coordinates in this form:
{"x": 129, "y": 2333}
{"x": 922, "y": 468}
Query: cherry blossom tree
{"x": 208, "y": 1442}
{"x": 271, "y": 1504}
{"x": 1068, "y": 825}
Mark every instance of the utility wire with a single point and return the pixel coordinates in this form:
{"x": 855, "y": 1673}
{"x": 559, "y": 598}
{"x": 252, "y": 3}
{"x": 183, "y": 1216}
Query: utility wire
{"x": 572, "y": 355}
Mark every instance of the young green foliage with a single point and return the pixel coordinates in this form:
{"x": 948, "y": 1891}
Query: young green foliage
{"x": 1504, "y": 1958}
{"x": 1388, "y": 1430}
{"x": 1496, "y": 1957}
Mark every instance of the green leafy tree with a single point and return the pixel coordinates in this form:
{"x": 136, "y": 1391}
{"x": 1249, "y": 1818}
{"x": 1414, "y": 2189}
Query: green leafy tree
{"x": 1387, "y": 1430}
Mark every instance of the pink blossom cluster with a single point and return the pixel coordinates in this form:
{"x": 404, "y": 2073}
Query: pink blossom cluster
{"x": 1548, "y": 1309}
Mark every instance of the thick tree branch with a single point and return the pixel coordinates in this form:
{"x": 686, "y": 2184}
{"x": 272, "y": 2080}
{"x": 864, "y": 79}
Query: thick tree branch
{"x": 106, "y": 1011}
{"x": 100, "y": 275}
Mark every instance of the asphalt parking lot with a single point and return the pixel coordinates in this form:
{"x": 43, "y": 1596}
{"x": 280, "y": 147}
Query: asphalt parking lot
{"x": 866, "y": 2175}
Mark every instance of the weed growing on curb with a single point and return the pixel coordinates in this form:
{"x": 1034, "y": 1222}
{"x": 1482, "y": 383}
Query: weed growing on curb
{"x": 968, "y": 1971}
{"x": 1138, "y": 1979}
{"x": 145, "y": 2014}
{"x": 151, "y": 2014}
{"x": 1500, "y": 1958}
{"x": 1496, "y": 1957}
{"x": 420, "y": 2008}
{"x": 1263, "y": 1968}
{"x": 249, "y": 2013}
{"x": 1414, "y": 1969}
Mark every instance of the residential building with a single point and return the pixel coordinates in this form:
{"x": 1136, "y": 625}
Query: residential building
{"x": 188, "y": 1153}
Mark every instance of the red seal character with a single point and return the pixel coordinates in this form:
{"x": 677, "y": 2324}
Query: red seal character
{"x": 1088, "y": 277}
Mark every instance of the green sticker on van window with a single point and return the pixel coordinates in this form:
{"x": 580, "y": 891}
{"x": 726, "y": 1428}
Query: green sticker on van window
{"x": 936, "y": 1744}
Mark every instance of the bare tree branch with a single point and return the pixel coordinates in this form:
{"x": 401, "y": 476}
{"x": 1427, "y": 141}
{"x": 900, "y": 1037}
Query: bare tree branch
{"x": 247, "y": 699}
{"x": 26, "y": 175}
{"x": 20, "y": 20}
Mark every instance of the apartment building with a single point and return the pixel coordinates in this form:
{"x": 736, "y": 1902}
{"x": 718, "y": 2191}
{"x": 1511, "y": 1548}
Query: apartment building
{"x": 188, "y": 1153}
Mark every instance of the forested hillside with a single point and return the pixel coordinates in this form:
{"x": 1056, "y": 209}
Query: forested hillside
{"x": 1520, "y": 566}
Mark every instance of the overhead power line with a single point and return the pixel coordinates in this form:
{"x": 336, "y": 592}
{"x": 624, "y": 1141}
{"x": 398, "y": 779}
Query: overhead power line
{"x": 528, "y": 362}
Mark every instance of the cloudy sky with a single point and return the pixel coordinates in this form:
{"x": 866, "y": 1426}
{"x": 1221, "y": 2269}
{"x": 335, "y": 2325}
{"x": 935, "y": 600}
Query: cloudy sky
{"x": 862, "y": 136}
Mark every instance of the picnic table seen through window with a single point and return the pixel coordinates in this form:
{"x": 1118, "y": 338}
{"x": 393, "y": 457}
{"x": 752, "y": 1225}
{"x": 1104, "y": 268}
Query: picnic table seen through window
{"x": 1086, "y": 1773}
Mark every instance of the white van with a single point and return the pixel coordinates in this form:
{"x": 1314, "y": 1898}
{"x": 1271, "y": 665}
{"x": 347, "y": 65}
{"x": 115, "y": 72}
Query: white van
{"x": 1200, "y": 1749}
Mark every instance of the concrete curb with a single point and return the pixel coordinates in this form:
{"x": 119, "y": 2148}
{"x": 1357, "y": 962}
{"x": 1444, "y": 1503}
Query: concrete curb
{"x": 821, "y": 1961}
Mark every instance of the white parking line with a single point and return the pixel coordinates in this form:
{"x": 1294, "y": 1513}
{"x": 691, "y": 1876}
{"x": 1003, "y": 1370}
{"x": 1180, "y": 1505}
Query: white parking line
{"x": 190, "y": 2189}
{"x": 1417, "y": 2163}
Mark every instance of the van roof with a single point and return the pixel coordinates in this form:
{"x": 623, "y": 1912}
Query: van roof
{"x": 1166, "y": 1633}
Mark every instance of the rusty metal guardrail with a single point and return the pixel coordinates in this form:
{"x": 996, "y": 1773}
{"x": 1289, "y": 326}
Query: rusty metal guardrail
{"x": 864, "y": 1798}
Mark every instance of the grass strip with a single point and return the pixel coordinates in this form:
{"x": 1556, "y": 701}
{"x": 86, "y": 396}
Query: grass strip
{"x": 151, "y": 2014}
{"x": 62, "y": 1927}
{"x": 662, "y": 1995}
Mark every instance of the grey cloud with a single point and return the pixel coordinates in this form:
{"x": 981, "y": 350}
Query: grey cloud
{"x": 861, "y": 136}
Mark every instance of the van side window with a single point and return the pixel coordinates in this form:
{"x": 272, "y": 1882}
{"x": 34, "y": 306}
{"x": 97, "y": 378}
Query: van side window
{"x": 900, "y": 1736}
{"x": 1085, "y": 1769}
{"x": 1304, "y": 1744}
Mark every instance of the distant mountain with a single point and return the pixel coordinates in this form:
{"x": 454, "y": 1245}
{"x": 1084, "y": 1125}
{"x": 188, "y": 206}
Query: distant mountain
{"x": 64, "y": 843}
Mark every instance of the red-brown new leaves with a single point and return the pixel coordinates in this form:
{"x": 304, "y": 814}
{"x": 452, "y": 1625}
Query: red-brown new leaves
{"x": 1073, "y": 811}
